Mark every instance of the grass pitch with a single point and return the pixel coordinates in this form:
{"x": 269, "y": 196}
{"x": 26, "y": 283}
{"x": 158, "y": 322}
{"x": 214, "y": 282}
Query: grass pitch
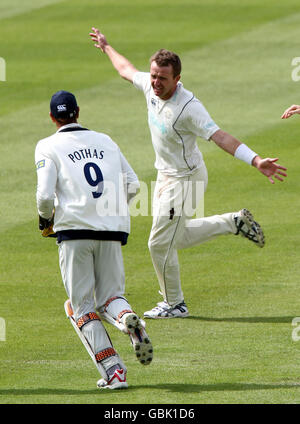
{"x": 237, "y": 346}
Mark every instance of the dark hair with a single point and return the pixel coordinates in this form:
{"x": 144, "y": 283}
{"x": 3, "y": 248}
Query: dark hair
{"x": 66, "y": 121}
{"x": 165, "y": 57}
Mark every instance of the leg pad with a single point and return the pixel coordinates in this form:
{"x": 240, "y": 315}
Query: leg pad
{"x": 106, "y": 353}
{"x": 91, "y": 316}
{"x": 111, "y": 300}
{"x": 125, "y": 311}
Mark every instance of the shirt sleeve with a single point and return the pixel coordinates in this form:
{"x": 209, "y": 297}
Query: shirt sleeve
{"x": 46, "y": 183}
{"x": 199, "y": 121}
{"x": 131, "y": 179}
{"x": 141, "y": 80}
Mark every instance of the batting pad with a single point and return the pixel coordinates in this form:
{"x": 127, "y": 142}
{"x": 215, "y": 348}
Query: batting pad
{"x": 104, "y": 359}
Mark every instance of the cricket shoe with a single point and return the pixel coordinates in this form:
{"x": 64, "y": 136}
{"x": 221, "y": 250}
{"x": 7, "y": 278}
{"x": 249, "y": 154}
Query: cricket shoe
{"x": 247, "y": 227}
{"x": 164, "y": 310}
{"x": 139, "y": 338}
{"x": 116, "y": 381}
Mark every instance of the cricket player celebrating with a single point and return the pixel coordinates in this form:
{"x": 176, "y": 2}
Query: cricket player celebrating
{"x": 79, "y": 172}
{"x": 175, "y": 119}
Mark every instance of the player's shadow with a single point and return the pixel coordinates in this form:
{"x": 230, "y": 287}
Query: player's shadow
{"x": 175, "y": 388}
{"x": 45, "y": 391}
{"x": 220, "y": 387}
{"x": 270, "y": 320}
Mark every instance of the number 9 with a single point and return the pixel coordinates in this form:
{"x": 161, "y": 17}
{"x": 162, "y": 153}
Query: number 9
{"x": 95, "y": 180}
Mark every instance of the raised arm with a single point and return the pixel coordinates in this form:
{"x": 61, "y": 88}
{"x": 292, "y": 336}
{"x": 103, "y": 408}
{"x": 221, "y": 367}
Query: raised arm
{"x": 267, "y": 166}
{"x": 120, "y": 63}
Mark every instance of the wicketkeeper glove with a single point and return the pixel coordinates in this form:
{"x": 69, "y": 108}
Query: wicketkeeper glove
{"x": 46, "y": 226}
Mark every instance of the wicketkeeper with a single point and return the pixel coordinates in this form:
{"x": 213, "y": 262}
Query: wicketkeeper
{"x": 84, "y": 185}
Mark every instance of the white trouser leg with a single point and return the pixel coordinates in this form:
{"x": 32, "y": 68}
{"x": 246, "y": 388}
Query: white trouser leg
{"x": 80, "y": 262}
{"x": 172, "y": 229}
{"x": 162, "y": 236}
{"x": 197, "y": 231}
{"x": 109, "y": 272}
{"x": 77, "y": 269}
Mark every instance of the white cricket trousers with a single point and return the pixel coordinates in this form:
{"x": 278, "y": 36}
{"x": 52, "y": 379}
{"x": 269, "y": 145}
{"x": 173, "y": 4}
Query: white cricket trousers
{"x": 93, "y": 272}
{"x": 174, "y": 204}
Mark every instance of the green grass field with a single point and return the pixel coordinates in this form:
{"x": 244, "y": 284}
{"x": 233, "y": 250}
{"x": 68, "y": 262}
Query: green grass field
{"x": 237, "y": 346}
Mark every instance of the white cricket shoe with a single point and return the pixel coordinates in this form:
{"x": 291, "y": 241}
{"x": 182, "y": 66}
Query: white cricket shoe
{"x": 139, "y": 338}
{"x": 247, "y": 227}
{"x": 117, "y": 381}
{"x": 164, "y": 310}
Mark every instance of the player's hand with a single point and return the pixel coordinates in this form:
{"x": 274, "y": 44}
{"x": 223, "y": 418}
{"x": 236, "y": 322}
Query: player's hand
{"x": 46, "y": 226}
{"x": 291, "y": 111}
{"x": 270, "y": 168}
{"x": 99, "y": 39}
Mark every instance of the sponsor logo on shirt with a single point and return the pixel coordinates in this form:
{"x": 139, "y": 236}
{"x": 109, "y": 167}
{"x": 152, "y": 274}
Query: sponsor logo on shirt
{"x": 209, "y": 125}
{"x": 160, "y": 125}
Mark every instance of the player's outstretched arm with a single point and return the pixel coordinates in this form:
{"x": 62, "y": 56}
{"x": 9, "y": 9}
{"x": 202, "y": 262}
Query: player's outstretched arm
{"x": 290, "y": 111}
{"x": 267, "y": 166}
{"x": 125, "y": 68}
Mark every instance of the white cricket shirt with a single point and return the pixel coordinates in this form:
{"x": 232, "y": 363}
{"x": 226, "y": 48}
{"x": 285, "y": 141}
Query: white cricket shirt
{"x": 174, "y": 125}
{"x": 84, "y": 175}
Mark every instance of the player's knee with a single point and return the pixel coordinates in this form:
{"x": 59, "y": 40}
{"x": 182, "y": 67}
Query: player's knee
{"x": 157, "y": 250}
{"x": 159, "y": 245}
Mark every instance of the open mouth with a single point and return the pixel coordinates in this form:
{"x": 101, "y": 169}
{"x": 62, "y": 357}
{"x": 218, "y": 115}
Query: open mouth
{"x": 157, "y": 90}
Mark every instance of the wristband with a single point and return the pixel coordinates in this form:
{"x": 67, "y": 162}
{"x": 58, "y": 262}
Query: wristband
{"x": 245, "y": 154}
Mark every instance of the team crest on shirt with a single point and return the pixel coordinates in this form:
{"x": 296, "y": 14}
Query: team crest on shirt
{"x": 40, "y": 164}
